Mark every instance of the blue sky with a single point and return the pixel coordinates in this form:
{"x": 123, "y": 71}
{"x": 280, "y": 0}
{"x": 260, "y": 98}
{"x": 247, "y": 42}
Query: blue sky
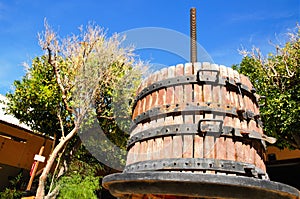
{"x": 223, "y": 26}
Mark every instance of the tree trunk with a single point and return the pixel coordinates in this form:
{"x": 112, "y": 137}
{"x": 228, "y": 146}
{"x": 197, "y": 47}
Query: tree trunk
{"x": 40, "y": 194}
{"x": 297, "y": 139}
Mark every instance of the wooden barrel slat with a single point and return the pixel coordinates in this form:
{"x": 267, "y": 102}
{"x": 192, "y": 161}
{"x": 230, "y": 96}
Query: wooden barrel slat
{"x": 177, "y": 140}
{"x": 198, "y": 93}
{"x": 184, "y": 96}
{"x": 230, "y": 149}
{"x": 221, "y": 148}
{"x": 162, "y": 92}
{"x": 239, "y": 151}
{"x": 198, "y": 97}
{"x": 244, "y": 127}
{"x": 188, "y": 89}
{"x": 143, "y": 101}
{"x": 207, "y": 94}
{"x": 209, "y": 142}
{"x": 170, "y": 90}
{"x": 154, "y": 94}
{"x": 256, "y": 107}
{"x": 136, "y": 148}
{"x": 220, "y": 153}
{"x": 188, "y": 119}
{"x": 217, "y": 97}
{"x": 188, "y": 139}
{"x": 167, "y": 141}
{"x": 235, "y": 93}
{"x": 198, "y": 141}
{"x": 136, "y": 110}
{"x": 157, "y": 144}
{"x": 132, "y": 154}
{"x": 129, "y": 158}
{"x": 179, "y": 71}
{"x": 244, "y": 82}
{"x": 139, "y": 147}
{"x": 148, "y": 98}
{"x": 250, "y": 104}
{"x": 237, "y": 79}
{"x": 226, "y": 97}
{"x": 144, "y": 145}
{"x": 231, "y": 93}
{"x": 178, "y": 99}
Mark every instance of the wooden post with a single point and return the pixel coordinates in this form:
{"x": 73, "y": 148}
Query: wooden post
{"x": 34, "y": 169}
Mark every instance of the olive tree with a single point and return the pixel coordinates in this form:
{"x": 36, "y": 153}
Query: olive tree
{"x": 71, "y": 84}
{"x": 277, "y": 77}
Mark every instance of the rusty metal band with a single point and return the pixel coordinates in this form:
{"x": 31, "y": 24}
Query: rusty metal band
{"x": 248, "y": 115}
{"x": 186, "y": 108}
{"x": 163, "y": 131}
{"x": 181, "y": 80}
{"x": 197, "y": 164}
{"x": 200, "y": 78}
{"x": 242, "y": 86}
{"x": 193, "y": 129}
{"x": 175, "y": 81}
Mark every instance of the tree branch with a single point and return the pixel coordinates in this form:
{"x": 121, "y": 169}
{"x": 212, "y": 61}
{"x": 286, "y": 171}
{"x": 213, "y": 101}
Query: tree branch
{"x": 41, "y": 188}
{"x": 106, "y": 117}
{"x": 53, "y": 194}
{"x": 296, "y": 136}
{"x": 59, "y": 82}
{"x": 61, "y": 124}
{"x": 56, "y": 167}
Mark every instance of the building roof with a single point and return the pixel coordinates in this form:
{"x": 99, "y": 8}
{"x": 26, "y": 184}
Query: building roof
{"x": 10, "y": 118}
{"x": 19, "y": 143}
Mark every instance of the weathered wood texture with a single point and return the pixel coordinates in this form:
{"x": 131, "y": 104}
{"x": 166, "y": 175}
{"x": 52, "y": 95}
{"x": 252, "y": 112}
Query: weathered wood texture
{"x": 198, "y": 94}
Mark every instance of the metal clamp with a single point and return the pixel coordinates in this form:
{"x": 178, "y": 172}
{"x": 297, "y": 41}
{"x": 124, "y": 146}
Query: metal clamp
{"x": 208, "y": 78}
{"x": 209, "y": 127}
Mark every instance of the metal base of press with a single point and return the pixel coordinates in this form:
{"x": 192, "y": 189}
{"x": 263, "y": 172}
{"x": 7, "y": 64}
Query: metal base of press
{"x": 195, "y": 185}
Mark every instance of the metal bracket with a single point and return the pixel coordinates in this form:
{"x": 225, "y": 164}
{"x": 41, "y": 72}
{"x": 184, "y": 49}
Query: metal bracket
{"x": 196, "y": 164}
{"x": 210, "y": 128}
{"x": 248, "y": 115}
{"x": 208, "y": 78}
